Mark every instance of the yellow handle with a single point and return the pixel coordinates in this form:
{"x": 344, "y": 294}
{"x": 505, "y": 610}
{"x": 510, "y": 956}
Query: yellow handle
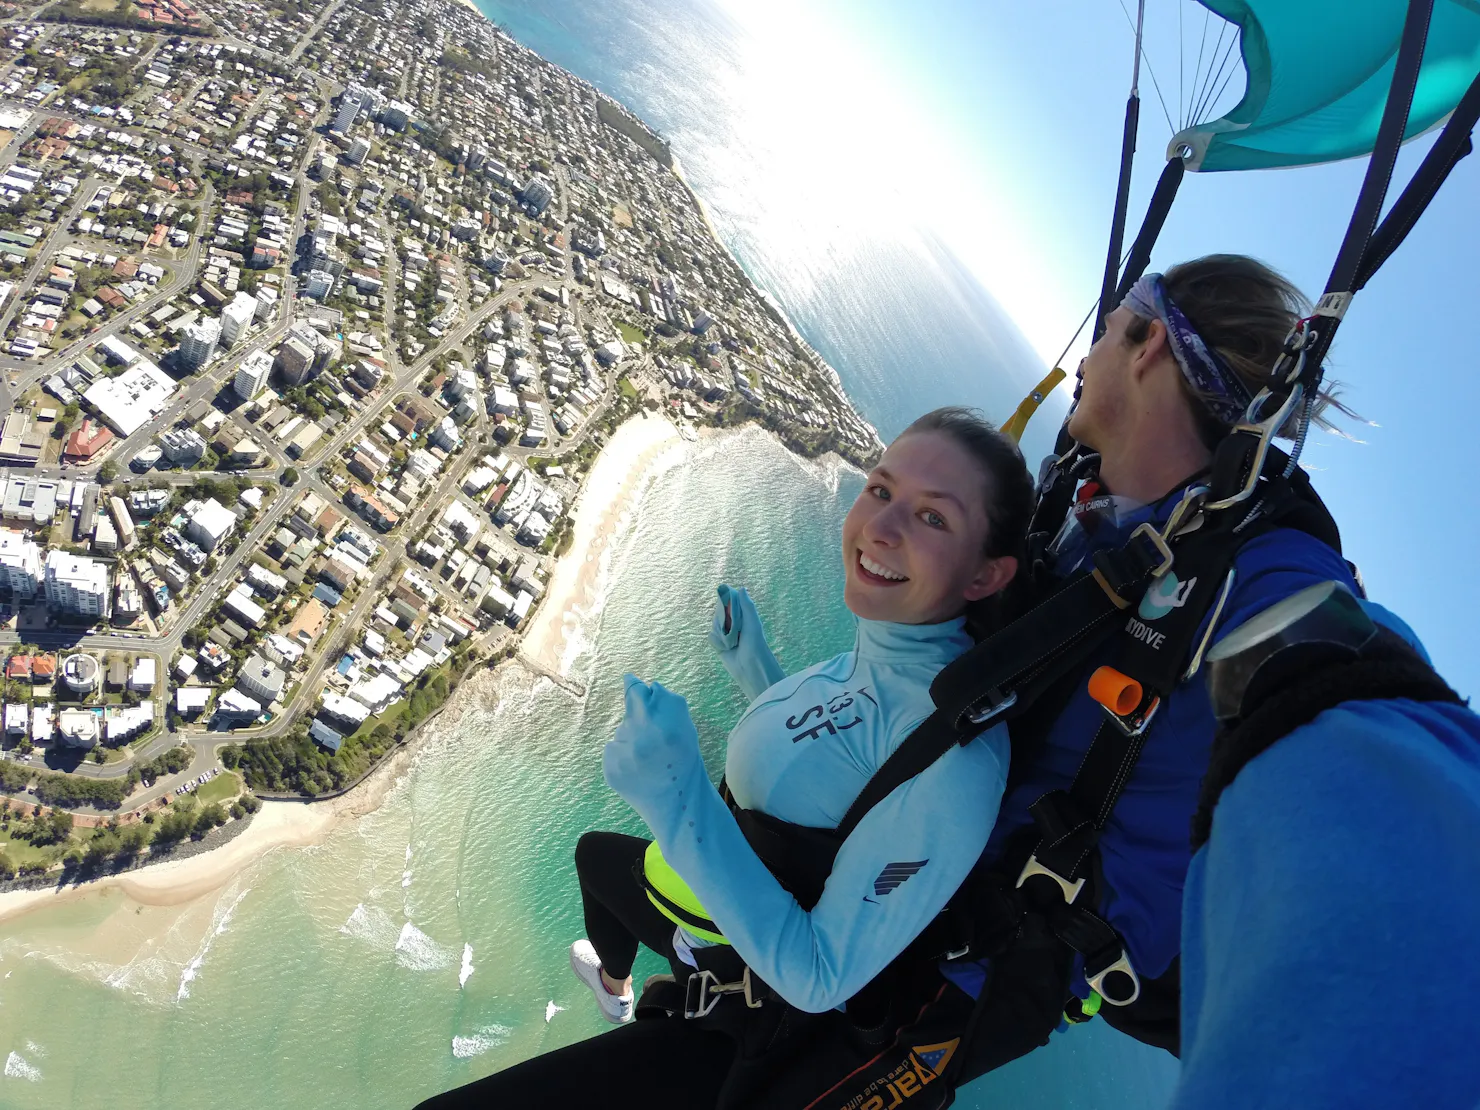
{"x": 1019, "y": 419}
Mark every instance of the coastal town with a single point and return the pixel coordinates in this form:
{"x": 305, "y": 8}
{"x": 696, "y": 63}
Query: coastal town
{"x": 314, "y": 318}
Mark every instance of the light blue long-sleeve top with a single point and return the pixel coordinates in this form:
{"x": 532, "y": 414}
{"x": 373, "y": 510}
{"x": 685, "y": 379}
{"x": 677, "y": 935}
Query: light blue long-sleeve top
{"x": 802, "y": 752}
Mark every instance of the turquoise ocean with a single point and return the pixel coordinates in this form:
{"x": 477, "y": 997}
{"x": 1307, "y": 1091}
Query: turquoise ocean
{"x": 423, "y": 945}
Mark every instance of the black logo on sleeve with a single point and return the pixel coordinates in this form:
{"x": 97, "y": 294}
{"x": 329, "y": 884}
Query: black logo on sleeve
{"x": 894, "y": 875}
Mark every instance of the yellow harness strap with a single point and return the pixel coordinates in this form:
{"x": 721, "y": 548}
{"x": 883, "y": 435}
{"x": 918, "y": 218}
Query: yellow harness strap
{"x": 674, "y": 900}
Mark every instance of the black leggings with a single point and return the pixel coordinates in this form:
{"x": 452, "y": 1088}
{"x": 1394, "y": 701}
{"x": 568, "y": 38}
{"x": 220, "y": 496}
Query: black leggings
{"x": 619, "y": 915}
{"x": 647, "y": 1065}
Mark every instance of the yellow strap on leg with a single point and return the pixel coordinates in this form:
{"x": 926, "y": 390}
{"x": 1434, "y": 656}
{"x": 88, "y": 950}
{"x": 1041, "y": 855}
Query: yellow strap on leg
{"x": 672, "y": 897}
{"x": 1018, "y": 421}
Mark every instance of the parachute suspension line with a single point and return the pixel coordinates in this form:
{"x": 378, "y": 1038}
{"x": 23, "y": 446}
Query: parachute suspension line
{"x": 1136, "y": 62}
{"x": 1453, "y": 144}
{"x": 1218, "y": 95}
{"x": 1077, "y": 333}
{"x": 1201, "y": 46}
{"x": 1155, "y": 84}
{"x": 1212, "y": 88}
{"x": 1201, "y": 78}
{"x": 1123, "y": 187}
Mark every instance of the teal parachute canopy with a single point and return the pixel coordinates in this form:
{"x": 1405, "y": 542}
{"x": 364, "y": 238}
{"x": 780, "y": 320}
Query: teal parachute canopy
{"x": 1317, "y": 77}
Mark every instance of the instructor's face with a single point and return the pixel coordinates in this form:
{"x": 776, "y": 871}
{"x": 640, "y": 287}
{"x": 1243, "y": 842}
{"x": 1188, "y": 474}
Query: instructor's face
{"x": 913, "y": 541}
{"x": 1105, "y": 373}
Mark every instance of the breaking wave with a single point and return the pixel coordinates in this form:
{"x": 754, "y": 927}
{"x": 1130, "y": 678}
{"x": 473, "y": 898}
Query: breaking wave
{"x": 475, "y": 1044}
{"x": 418, "y": 952}
{"x": 372, "y": 925}
{"x": 17, "y": 1068}
{"x": 192, "y": 969}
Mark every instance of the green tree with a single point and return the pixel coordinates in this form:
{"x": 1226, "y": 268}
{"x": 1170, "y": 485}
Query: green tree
{"x": 132, "y": 840}
{"x": 290, "y": 477}
{"x": 173, "y": 827}
{"x": 108, "y": 472}
{"x": 208, "y": 818}
{"x": 103, "y": 845}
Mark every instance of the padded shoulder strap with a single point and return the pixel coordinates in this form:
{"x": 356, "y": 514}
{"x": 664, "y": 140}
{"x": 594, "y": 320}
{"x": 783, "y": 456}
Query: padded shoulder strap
{"x": 1391, "y": 669}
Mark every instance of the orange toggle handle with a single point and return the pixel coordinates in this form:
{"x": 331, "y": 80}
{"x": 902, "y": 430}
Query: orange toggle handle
{"x": 1119, "y": 693}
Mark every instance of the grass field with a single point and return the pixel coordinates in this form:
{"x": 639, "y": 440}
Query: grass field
{"x": 627, "y": 388}
{"x": 220, "y": 789}
{"x": 631, "y": 334}
{"x": 23, "y": 852}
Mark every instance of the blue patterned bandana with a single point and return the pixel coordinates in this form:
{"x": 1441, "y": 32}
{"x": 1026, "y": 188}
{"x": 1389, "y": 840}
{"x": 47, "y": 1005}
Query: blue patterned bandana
{"x": 1219, "y": 387}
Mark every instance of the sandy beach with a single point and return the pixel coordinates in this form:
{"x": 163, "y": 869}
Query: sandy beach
{"x": 608, "y": 494}
{"x": 616, "y": 478}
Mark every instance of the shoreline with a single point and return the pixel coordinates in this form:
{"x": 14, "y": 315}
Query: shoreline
{"x": 619, "y": 474}
{"x": 622, "y": 470}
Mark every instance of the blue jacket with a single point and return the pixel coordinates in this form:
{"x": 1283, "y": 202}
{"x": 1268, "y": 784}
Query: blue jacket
{"x": 802, "y": 752}
{"x": 1144, "y": 849}
{"x": 1329, "y": 923}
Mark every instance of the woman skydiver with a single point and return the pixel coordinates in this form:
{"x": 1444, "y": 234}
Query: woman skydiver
{"x": 936, "y": 529}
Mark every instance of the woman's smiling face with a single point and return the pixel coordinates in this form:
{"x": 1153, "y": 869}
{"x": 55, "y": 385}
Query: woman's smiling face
{"x": 914, "y": 541}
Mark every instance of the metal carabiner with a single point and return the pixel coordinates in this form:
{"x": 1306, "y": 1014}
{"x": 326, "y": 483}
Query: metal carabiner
{"x": 1265, "y": 429}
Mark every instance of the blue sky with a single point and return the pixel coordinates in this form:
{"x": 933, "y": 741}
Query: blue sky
{"x": 1012, "y": 124}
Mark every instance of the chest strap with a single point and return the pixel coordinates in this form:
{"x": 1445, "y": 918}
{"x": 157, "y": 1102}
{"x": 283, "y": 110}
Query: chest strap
{"x": 1152, "y": 648}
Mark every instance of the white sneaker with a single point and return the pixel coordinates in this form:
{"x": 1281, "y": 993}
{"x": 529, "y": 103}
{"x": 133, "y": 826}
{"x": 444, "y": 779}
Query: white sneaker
{"x": 617, "y": 1009}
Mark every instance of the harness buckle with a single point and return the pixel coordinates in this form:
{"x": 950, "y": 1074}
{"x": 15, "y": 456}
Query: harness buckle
{"x": 1099, "y": 981}
{"x": 1159, "y": 542}
{"x": 1033, "y": 867}
{"x": 710, "y": 992}
{"x": 1136, "y": 722}
{"x": 996, "y": 705}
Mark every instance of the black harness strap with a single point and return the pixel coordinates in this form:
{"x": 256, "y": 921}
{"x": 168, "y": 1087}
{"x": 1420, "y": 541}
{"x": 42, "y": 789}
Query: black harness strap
{"x": 1153, "y": 648}
{"x": 1019, "y": 661}
{"x": 1453, "y": 144}
{"x": 931, "y": 739}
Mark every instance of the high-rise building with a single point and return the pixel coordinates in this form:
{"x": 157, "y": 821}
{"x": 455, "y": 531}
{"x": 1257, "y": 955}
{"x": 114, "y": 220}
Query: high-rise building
{"x": 296, "y": 358}
{"x": 76, "y": 584}
{"x": 350, "y": 105}
{"x": 236, "y": 318}
{"x": 252, "y": 374}
{"x": 396, "y": 115}
{"x": 198, "y": 342}
{"x": 20, "y": 564}
{"x": 318, "y": 284}
{"x": 537, "y": 195}
{"x": 358, "y": 150}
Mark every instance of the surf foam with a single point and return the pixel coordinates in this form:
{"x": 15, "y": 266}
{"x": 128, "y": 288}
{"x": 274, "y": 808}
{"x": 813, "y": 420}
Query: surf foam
{"x": 17, "y": 1068}
{"x": 476, "y": 1044}
{"x": 418, "y": 952}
